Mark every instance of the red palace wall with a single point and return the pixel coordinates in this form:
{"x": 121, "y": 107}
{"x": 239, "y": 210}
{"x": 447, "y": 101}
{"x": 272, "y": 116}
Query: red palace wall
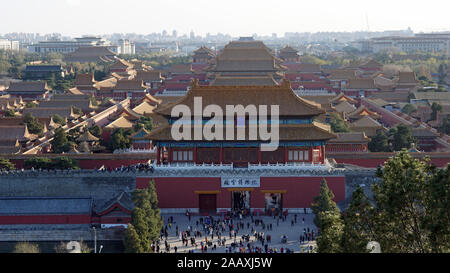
{"x": 45, "y": 219}
{"x": 90, "y": 164}
{"x": 180, "y": 192}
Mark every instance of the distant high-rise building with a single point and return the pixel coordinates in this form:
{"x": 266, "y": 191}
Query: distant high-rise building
{"x": 9, "y": 45}
{"x": 192, "y": 35}
{"x": 174, "y": 34}
{"x": 164, "y": 33}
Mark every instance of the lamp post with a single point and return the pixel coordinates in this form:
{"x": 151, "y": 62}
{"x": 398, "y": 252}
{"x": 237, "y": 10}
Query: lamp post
{"x": 95, "y": 239}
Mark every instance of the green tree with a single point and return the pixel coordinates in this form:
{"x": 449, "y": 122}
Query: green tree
{"x": 402, "y": 137}
{"x": 442, "y": 73}
{"x": 401, "y": 205}
{"x": 77, "y": 111}
{"x": 445, "y": 128}
{"x": 94, "y": 101}
{"x": 10, "y": 113}
{"x": 437, "y": 206}
{"x": 65, "y": 163}
{"x": 120, "y": 139}
{"x": 132, "y": 241}
{"x": 338, "y": 125}
{"x": 146, "y": 221}
{"x": 96, "y": 131}
{"x": 60, "y": 143}
{"x": 25, "y": 247}
{"x": 33, "y": 124}
{"x": 357, "y": 231}
{"x": 435, "y": 108}
{"x": 58, "y": 119}
{"x": 379, "y": 143}
{"x": 408, "y": 109}
{"x": 144, "y": 122}
{"x": 331, "y": 232}
{"x": 6, "y": 165}
{"x": 323, "y": 203}
{"x": 39, "y": 163}
{"x": 30, "y": 105}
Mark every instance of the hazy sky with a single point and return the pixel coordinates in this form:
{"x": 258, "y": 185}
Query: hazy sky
{"x": 236, "y": 17}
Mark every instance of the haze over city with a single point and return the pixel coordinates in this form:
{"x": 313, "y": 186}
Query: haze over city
{"x": 237, "y": 18}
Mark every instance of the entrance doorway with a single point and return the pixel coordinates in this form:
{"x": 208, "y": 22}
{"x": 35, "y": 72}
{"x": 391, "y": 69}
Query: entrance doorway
{"x": 207, "y": 203}
{"x": 274, "y": 203}
{"x": 240, "y": 201}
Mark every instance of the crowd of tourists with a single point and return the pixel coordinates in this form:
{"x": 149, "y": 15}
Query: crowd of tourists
{"x": 248, "y": 234}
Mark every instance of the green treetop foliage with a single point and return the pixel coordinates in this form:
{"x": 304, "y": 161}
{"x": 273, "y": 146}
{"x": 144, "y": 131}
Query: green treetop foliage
{"x": 402, "y": 137}
{"x": 13, "y": 62}
{"x": 323, "y": 202}
{"x": 25, "y": 247}
{"x": 6, "y": 165}
{"x": 44, "y": 163}
{"x": 144, "y": 122}
{"x": 39, "y": 163}
{"x": 60, "y": 143}
{"x": 357, "y": 231}
{"x": 404, "y": 206}
{"x": 10, "y": 113}
{"x": 442, "y": 73}
{"x": 77, "y": 111}
{"x": 435, "y": 108}
{"x": 96, "y": 131}
{"x": 132, "y": 241}
{"x": 331, "y": 232}
{"x": 33, "y": 124}
{"x": 120, "y": 139}
{"x": 94, "y": 101}
{"x": 146, "y": 221}
{"x": 58, "y": 119}
{"x": 445, "y": 128}
{"x": 408, "y": 109}
{"x": 30, "y": 105}
{"x": 379, "y": 143}
{"x": 338, "y": 125}
{"x": 65, "y": 163}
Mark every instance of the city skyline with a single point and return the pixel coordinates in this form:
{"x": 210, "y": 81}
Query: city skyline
{"x": 234, "y": 18}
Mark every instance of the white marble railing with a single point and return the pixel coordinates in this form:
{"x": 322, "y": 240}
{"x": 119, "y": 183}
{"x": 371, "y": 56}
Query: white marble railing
{"x": 134, "y": 151}
{"x": 191, "y": 166}
{"x": 290, "y": 165}
{"x": 257, "y": 167}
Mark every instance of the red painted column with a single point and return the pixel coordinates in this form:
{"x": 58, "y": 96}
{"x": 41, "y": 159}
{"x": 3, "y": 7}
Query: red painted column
{"x": 221, "y": 155}
{"x": 323, "y": 154}
{"x": 195, "y": 155}
{"x": 310, "y": 154}
{"x": 259, "y": 155}
{"x": 169, "y": 152}
{"x": 286, "y": 155}
{"x": 158, "y": 155}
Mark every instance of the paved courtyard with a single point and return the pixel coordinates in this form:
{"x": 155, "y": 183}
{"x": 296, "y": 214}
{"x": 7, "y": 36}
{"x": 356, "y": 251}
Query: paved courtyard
{"x": 292, "y": 232}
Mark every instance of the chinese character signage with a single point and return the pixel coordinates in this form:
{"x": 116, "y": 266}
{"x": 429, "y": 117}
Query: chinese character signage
{"x": 240, "y": 182}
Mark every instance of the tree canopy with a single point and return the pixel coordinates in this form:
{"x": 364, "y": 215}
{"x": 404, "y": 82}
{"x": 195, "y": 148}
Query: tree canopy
{"x": 146, "y": 222}
{"x": 33, "y": 124}
{"x": 60, "y": 142}
{"x": 6, "y": 165}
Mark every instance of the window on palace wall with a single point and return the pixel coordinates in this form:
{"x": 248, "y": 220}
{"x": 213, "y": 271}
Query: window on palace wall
{"x": 208, "y": 155}
{"x": 182, "y": 156}
{"x": 273, "y": 157}
{"x": 298, "y": 155}
{"x": 240, "y": 155}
